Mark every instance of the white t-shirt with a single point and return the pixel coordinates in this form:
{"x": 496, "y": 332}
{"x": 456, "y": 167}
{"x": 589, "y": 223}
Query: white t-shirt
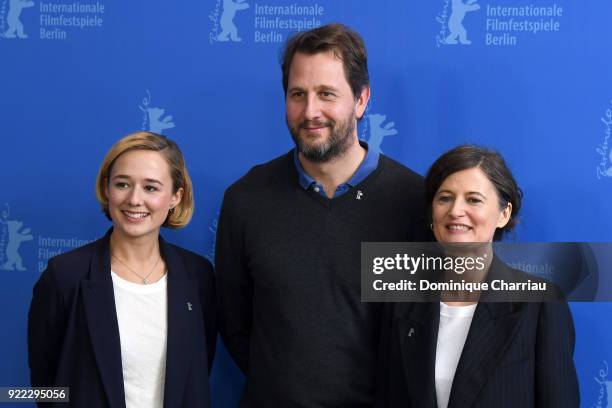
{"x": 455, "y": 323}
{"x": 143, "y": 322}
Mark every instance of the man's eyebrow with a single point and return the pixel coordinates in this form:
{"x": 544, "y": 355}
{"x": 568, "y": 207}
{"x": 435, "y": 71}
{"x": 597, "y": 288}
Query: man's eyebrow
{"x": 318, "y": 88}
{"x": 328, "y": 88}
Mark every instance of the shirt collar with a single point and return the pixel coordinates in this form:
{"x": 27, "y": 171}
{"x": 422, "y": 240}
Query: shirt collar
{"x": 367, "y": 166}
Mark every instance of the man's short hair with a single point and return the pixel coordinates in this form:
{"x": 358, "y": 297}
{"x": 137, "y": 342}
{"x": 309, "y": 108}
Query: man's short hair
{"x": 346, "y": 45}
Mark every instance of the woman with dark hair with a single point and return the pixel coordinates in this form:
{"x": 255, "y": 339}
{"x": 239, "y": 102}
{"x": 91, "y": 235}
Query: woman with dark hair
{"x": 129, "y": 320}
{"x": 466, "y": 350}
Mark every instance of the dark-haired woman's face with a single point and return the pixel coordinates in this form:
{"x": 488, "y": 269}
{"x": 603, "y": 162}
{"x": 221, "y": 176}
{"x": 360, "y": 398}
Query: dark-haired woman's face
{"x": 466, "y": 208}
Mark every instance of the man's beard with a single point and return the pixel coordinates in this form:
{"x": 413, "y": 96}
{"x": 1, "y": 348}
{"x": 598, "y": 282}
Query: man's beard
{"x": 336, "y": 144}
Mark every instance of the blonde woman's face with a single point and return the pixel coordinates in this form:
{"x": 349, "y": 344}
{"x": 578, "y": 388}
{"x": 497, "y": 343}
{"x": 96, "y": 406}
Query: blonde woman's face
{"x": 140, "y": 195}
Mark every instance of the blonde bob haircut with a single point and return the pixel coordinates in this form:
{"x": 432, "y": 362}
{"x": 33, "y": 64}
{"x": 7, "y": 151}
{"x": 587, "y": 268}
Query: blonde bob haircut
{"x": 178, "y": 171}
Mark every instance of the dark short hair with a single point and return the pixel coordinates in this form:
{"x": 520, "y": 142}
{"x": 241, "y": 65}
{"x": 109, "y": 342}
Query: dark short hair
{"x": 346, "y": 45}
{"x": 492, "y": 165}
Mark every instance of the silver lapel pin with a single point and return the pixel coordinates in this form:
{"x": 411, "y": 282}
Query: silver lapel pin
{"x": 189, "y": 306}
{"x": 411, "y": 332}
{"x": 359, "y": 194}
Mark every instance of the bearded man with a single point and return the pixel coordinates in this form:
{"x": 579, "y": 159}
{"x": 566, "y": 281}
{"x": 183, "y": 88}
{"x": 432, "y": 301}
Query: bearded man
{"x": 290, "y": 233}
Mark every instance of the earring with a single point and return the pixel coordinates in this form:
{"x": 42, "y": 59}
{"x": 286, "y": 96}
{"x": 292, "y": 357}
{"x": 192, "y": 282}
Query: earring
{"x": 171, "y": 211}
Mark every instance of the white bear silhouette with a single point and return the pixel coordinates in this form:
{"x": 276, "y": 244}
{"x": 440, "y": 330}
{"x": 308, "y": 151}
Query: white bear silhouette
{"x": 455, "y": 21}
{"x": 157, "y": 124}
{"x": 230, "y": 31}
{"x": 15, "y": 26}
{"x": 16, "y": 237}
{"x": 378, "y": 132}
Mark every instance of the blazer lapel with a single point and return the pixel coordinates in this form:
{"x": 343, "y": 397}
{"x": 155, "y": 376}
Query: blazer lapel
{"x": 418, "y": 335}
{"x": 491, "y": 332}
{"x": 101, "y": 317}
{"x": 183, "y": 314}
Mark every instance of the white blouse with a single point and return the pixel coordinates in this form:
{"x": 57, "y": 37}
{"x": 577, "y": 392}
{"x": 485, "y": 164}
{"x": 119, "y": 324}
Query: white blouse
{"x": 143, "y": 321}
{"x": 454, "y": 326}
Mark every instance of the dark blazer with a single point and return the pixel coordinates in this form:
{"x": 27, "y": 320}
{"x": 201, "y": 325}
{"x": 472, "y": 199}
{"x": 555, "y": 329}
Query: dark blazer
{"x": 73, "y": 334}
{"x": 515, "y": 355}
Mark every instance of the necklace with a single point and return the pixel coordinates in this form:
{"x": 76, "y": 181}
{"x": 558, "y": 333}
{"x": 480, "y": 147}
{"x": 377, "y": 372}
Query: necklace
{"x": 144, "y": 278}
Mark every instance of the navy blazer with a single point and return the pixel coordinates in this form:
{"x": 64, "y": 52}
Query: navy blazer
{"x": 515, "y": 355}
{"x": 73, "y": 334}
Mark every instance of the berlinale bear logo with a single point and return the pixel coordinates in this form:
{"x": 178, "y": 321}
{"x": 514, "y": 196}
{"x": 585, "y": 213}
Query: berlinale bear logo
{"x": 455, "y": 22}
{"x": 15, "y": 26}
{"x": 230, "y": 31}
{"x": 153, "y": 118}
{"x": 225, "y": 21}
{"x": 378, "y": 131}
{"x": 11, "y": 237}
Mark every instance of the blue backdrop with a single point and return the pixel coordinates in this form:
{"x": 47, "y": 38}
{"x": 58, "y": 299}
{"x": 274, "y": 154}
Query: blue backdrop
{"x": 532, "y": 79}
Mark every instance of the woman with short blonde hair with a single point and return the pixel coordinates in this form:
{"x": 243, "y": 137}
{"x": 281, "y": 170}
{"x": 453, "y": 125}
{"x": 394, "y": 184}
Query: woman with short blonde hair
{"x": 129, "y": 320}
{"x": 178, "y": 171}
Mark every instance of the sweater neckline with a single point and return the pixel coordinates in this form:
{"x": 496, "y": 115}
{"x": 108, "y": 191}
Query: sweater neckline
{"x": 355, "y": 193}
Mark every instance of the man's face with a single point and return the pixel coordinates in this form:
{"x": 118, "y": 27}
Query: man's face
{"x": 321, "y": 109}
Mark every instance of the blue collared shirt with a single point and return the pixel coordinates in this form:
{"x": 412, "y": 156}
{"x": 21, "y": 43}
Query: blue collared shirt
{"x": 367, "y": 166}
